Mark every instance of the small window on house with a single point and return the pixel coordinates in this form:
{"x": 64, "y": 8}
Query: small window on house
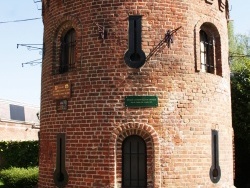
{"x": 68, "y": 47}
{"x": 206, "y": 50}
{"x": 17, "y": 112}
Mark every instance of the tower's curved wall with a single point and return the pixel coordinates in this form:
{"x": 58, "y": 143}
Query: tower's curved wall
{"x": 192, "y": 101}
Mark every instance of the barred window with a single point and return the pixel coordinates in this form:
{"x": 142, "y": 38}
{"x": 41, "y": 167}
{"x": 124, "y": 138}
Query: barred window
{"x": 134, "y": 162}
{"x": 68, "y": 48}
{"x": 206, "y": 52}
{"x": 209, "y": 54}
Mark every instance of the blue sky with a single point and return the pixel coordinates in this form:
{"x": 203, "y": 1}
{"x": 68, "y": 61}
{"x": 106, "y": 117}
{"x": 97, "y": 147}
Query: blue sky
{"x": 239, "y": 12}
{"x": 23, "y": 84}
{"x": 19, "y": 83}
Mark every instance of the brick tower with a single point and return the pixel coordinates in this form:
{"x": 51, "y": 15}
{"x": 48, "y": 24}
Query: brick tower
{"x": 135, "y": 93}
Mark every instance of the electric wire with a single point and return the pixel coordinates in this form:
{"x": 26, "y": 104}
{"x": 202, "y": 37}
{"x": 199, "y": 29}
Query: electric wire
{"x": 232, "y": 55}
{"x": 25, "y": 20}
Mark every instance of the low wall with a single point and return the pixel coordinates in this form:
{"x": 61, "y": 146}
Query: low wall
{"x": 18, "y": 131}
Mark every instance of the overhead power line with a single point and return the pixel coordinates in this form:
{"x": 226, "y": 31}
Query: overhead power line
{"x": 25, "y": 20}
{"x": 232, "y": 54}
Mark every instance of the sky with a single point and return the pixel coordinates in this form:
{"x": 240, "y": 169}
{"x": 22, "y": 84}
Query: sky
{"x": 239, "y": 13}
{"x": 23, "y": 83}
{"x": 17, "y": 83}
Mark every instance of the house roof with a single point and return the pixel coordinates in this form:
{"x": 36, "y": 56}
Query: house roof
{"x": 17, "y": 111}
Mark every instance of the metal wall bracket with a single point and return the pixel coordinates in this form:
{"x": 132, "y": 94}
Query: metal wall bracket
{"x": 103, "y": 33}
{"x": 168, "y": 39}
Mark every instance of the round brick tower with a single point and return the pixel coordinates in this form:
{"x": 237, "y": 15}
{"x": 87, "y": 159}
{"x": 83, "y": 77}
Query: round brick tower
{"x": 135, "y": 94}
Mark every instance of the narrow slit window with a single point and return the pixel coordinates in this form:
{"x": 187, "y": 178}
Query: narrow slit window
{"x": 135, "y": 57}
{"x": 60, "y": 173}
{"x": 215, "y": 171}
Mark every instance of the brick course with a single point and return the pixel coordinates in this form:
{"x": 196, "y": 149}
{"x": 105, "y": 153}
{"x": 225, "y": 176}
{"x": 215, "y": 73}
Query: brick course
{"x": 191, "y": 103}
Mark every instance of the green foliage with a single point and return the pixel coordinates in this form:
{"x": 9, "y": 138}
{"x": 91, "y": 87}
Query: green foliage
{"x": 19, "y": 154}
{"x": 241, "y": 102}
{"x": 240, "y": 88}
{"x": 240, "y": 84}
{"x": 19, "y": 177}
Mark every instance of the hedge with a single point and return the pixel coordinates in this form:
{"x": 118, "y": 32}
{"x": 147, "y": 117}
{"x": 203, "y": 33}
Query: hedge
{"x": 19, "y": 177}
{"x": 19, "y": 154}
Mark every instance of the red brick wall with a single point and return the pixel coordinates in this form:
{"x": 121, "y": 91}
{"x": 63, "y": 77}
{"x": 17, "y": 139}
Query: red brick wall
{"x": 191, "y": 102}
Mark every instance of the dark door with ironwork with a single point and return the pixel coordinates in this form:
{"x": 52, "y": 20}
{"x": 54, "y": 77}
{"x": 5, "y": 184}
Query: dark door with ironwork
{"x": 134, "y": 162}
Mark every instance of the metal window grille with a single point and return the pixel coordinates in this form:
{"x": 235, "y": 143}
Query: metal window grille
{"x": 206, "y": 52}
{"x": 68, "y": 48}
{"x": 134, "y": 162}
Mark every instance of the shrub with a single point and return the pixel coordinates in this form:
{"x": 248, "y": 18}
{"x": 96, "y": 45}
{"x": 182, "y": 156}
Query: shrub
{"x": 19, "y": 177}
{"x": 18, "y": 154}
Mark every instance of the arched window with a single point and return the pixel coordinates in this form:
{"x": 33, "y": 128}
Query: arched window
{"x": 67, "y": 56}
{"x": 206, "y": 51}
{"x": 134, "y": 162}
{"x": 210, "y": 49}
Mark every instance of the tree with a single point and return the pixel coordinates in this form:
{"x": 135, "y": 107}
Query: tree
{"x": 240, "y": 83}
{"x": 239, "y": 57}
